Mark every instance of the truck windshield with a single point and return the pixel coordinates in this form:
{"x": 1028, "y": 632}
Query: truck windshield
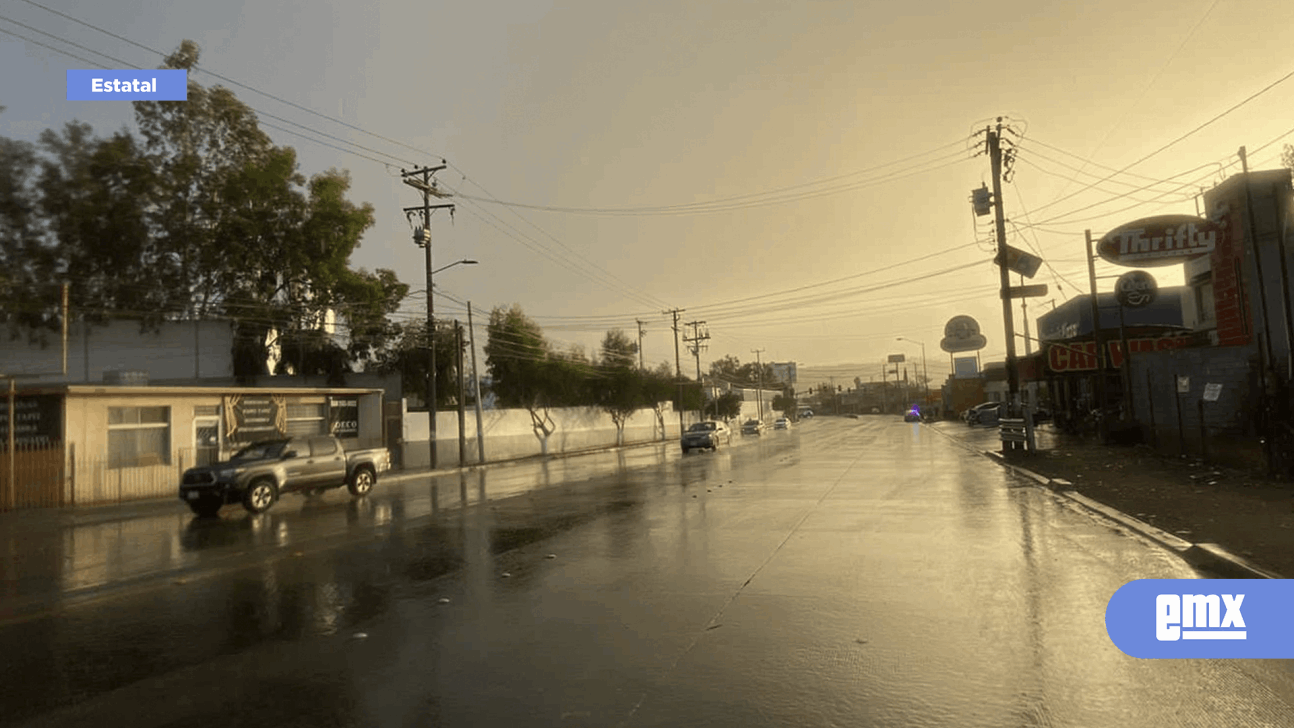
{"x": 261, "y": 450}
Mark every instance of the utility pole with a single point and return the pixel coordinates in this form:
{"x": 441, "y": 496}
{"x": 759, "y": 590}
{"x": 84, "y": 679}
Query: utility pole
{"x": 994, "y": 142}
{"x": 695, "y": 342}
{"x": 422, "y": 237}
{"x": 759, "y": 393}
{"x": 462, "y": 395}
{"x": 1101, "y": 424}
{"x": 641, "y": 331}
{"x": 678, "y": 371}
{"x": 476, "y": 383}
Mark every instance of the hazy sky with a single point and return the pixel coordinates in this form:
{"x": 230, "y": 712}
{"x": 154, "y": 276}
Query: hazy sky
{"x": 713, "y": 155}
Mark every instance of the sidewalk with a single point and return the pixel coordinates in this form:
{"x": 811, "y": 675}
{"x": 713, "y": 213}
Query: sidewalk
{"x": 1244, "y": 513}
{"x": 23, "y": 520}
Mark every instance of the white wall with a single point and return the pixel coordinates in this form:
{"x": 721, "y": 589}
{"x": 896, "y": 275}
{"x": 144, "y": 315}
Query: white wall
{"x": 509, "y": 433}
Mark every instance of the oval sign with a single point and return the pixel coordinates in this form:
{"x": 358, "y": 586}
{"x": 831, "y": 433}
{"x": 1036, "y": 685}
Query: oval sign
{"x": 1136, "y": 289}
{"x": 961, "y": 333}
{"x": 1162, "y": 240}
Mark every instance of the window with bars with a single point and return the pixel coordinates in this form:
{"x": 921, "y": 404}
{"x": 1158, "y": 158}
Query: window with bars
{"x": 139, "y": 436}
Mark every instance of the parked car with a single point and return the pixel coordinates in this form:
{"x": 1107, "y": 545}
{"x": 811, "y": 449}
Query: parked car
{"x": 979, "y": 414}
{"x": 752, "y": 427}
{"x": 781, "y": 423}
{"x": 257, "y": 475}
{"x": 706, "y": 435}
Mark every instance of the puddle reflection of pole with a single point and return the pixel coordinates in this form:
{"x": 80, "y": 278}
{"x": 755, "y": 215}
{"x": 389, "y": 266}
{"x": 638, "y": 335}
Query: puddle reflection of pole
{"x": 1032, "y": 586}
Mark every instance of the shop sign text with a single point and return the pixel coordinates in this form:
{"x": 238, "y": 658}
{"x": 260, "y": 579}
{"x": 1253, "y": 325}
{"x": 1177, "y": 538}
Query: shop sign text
{"x": 1081, "y": 356}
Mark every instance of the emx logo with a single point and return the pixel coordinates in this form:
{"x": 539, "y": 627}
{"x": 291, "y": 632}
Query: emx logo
{"x": 1203, "y": 618}
{"x": 1199, "y": 617}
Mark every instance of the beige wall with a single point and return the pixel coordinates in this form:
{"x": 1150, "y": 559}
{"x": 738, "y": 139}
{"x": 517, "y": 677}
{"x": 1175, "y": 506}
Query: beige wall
{"x": 89, "y": 479}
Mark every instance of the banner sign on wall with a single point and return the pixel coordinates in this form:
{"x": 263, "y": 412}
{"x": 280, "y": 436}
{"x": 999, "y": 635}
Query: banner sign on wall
{"x": 38, "y": 421}
{"x": 343, "y": 417}
{"x": 249, "y": 419}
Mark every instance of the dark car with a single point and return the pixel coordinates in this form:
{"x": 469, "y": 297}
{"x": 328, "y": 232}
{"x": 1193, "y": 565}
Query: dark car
{"x": 752, "y": 427}
{"x": 912, "y": 415}
{"x": 706, "y": 435}
{"x": 985, "y": 413}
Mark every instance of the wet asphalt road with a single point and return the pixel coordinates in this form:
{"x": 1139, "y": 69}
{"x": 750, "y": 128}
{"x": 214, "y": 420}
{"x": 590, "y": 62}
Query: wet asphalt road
{"x": 847, "y": 573}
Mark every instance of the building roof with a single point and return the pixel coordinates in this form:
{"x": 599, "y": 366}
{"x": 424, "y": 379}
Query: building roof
{"x": 1073, "y": 319}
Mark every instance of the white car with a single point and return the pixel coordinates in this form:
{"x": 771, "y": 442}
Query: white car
{"x": 781, "y": 423}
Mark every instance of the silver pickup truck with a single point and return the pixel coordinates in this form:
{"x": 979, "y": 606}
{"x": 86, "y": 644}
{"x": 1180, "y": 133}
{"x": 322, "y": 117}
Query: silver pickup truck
{"x": 258, "y": 474}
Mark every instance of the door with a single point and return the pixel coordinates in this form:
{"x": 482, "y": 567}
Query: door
{"x": 206, "y": 440}
{"x": 327, "y": 465}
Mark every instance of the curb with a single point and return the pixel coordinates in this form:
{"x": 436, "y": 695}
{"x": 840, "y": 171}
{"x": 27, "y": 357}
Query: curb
{"x": 1206, "y": 556}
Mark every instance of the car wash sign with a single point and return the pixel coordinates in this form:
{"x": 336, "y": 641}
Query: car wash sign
{"x": 1159, "y": 241}
{"x": 1080, "y": 356}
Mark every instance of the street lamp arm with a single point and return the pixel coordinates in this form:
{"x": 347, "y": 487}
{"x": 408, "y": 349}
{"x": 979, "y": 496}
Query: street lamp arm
{"x": 464, "y": 261}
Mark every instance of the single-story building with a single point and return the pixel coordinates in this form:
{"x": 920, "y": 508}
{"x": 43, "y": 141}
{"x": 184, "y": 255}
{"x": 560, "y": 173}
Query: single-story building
{"x": 81, "y": 444}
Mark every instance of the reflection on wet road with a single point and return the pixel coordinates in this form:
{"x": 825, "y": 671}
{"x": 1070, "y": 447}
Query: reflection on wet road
{"x": 848, "y": 572}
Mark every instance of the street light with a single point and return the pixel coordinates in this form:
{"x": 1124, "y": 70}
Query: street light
{"x": 423, "y": 239}
{"x": 924, "y": 371}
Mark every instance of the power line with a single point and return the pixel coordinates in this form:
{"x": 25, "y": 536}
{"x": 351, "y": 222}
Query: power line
{"x": 729, "y": 203}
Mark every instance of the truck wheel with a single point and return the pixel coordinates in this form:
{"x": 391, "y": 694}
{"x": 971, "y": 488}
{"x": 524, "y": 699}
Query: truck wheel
{"x": 205, "y": 508}
{"x": 261, "y": 494}
{"x": 361, "y": 482}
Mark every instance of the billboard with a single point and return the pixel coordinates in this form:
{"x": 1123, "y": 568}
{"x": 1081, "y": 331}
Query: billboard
{"x": 965, "y": 367}
{"x": 784, "y": 372}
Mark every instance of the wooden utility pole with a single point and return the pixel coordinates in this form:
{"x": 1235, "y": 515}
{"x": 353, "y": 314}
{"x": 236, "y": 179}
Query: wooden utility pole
{"x": 678, "y": 372}
{"x": 462, "y": 395}
{"x": 995, "y": 156}
{"x": 641, "y": 331}
{"x": 476, "y": 383}
{"x": 422, "y": 238}
{"x": 759, "y": 393}
{"x": 695, "y": 342}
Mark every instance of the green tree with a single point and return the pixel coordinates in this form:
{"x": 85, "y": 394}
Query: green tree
{"x": 28, "y": 263}
{"x": 658, "y": 388}
{"x": 726, "y": 369}
{"x": 785, "y": 404}
{"x": 241, "y": 233}
{"x": 406, "y": 354}
{"x": 725, "y": 407}
{"x": 525, "y": 371}
{"x": 618, "y": 386}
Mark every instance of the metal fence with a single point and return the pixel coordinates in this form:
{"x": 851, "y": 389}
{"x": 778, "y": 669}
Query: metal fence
{"x": 51, "y": 477}
{"x": 97, "y": 481}
{"x": 37, "y": 477}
